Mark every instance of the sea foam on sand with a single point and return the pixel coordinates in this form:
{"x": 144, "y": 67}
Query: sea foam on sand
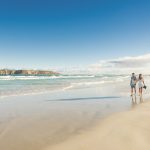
{"x": 122, "y": 131}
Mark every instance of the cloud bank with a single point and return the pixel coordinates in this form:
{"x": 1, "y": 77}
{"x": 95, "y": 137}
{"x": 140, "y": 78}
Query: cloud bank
{"x": 138, "y": 64}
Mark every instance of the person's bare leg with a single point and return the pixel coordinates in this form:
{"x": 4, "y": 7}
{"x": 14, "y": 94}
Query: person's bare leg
{"x": 131, "y": 91}
{"x": 141, "y": 99}
{"x": 135, "y": 90}
{"x": 141, "y": 91}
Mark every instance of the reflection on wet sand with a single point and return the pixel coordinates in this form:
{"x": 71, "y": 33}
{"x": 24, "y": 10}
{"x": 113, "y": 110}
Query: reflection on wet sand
{"x": 141, "y": 99}
{"x": 135, "y": 101}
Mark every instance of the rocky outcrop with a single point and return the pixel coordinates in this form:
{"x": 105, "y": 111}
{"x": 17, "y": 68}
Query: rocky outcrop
{"x": 27, "y": 72}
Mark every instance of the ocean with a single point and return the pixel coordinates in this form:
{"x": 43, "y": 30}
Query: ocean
{"x": 26, "y": 85}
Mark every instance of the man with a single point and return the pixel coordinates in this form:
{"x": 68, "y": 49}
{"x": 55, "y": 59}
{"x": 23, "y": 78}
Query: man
{"x": 133, "y": 83}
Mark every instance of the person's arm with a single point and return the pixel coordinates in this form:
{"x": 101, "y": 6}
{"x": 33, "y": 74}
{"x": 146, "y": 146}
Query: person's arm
{"x": 143, "y": 82}
{"x": 136, "y": 80}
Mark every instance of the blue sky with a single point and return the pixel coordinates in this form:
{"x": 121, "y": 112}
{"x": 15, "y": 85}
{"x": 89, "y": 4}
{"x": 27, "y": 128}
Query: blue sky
{"x": 66, "y": 33}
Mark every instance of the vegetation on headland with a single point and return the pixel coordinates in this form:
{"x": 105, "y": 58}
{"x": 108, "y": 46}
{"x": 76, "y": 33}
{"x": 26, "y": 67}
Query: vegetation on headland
{"x": 27, "y": 72}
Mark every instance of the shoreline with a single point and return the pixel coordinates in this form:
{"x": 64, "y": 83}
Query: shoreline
{"x": 37, "y": 121}
{"x": 119, "y": 131}
{"x": 57, "y": 119}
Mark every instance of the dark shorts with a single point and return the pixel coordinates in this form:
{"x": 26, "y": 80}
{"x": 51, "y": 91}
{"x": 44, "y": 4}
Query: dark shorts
{"x": 133, "y": 86}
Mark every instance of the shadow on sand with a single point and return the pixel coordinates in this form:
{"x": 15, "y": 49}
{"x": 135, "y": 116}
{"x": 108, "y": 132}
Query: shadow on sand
{"x": 85, "y": 98}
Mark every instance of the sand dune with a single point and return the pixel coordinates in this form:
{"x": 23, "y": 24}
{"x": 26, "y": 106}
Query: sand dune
{"x": 122, "y": 131}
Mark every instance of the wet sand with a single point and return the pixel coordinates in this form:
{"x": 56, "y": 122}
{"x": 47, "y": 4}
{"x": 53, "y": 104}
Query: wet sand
{"x": 43, "y": 121}
{"x": 128, "y": 130}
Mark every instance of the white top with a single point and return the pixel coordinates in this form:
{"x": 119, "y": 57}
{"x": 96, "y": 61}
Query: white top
{"x": 140, "y": 83}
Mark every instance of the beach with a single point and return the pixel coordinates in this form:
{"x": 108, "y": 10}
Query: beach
{"x": 122, "y": 131}
{"x": 86, "y": 113}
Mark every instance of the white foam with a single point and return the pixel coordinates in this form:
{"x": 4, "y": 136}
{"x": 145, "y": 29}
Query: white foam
{"x": 42, "y": 77}
{"x": 65, "y": 82}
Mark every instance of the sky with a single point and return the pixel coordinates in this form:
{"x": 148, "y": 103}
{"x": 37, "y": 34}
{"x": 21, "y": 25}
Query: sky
{"x": 45, "y": 34}
{"x": 122, "y": 65}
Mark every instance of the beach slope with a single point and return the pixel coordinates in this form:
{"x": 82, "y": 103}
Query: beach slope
{"x": 122, "y": 131}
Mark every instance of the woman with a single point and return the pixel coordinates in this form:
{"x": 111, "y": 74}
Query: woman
{"x": 141, "y": 84}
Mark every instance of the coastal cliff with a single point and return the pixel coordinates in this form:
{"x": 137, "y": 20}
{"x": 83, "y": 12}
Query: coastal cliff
{"x": 26, "y": 72}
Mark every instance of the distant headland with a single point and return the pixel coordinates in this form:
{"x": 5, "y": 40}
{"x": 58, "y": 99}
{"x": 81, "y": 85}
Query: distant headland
{"x": 27, "y": 72}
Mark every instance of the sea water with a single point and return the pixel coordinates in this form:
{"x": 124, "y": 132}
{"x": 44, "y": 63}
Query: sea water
{"x": 26, "y": 85}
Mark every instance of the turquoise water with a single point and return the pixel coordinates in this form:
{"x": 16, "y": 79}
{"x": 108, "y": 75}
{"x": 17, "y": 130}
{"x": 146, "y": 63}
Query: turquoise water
{"x": 24, "y": 85}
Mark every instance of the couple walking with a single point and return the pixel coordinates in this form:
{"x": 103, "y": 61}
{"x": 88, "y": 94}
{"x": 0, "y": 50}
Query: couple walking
{"x": 134, "y": 81}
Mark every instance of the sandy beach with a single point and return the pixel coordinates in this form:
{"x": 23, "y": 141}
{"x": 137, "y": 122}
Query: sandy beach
{"x": 41, "y": 121}
{"x": 122, "y": 131}
{"x": 85, "y": 117}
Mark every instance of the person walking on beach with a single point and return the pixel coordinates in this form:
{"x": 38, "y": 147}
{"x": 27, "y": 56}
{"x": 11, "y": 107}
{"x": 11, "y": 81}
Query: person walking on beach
{"x": 141, "y": 84}
{"x": 133, "y": 83}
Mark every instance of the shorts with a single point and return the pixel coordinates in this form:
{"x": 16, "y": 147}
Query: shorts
{"x": 133, "y": 86}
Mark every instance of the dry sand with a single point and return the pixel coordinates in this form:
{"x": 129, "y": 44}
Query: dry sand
{"x": 122, "y": 131}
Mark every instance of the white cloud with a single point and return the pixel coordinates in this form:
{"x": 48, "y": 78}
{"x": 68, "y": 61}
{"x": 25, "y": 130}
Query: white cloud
{"x": 123, "y": 65}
